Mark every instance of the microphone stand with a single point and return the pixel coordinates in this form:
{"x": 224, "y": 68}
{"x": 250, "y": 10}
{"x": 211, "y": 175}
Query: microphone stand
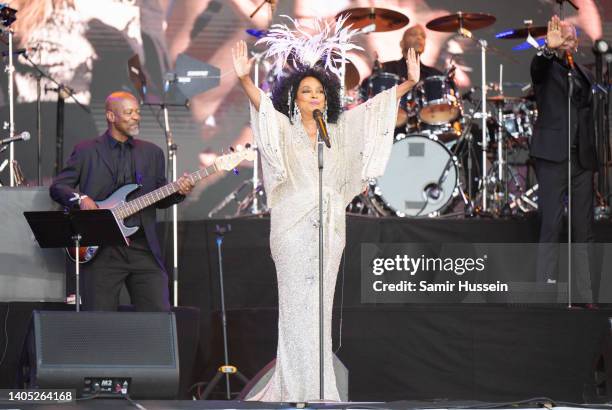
{"x": 171, "y": 176}
{"x": 482, "y": 43}
{"x": 172, "y": 148}
{"x": 63, "y": 93}
{"x": 320, "y": 144}
{"x": 38, "y": 131}
{"x": 570, "y": 89}
{"x": 10, "y": 70}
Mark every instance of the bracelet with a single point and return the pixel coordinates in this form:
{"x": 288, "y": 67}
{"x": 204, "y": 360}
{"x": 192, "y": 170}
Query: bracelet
{"x": 545, "y": 51}
{"x": 78, "y": 198}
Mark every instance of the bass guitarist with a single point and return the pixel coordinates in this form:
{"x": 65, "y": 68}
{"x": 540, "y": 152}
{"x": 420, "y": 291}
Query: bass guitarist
{"x": 98, "y": 167}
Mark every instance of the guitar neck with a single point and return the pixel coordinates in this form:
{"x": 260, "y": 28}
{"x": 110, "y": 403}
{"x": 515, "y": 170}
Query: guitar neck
{"x": 131, "y": 207}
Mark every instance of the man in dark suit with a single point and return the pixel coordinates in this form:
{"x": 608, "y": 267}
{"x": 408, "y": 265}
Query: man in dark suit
{"x": 550, "y": 149}
{"x": 98, "y": 167}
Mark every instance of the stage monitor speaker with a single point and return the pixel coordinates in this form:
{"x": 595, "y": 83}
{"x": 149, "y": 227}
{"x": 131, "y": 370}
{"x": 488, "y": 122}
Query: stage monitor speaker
{"x": 105, "y": 353}
{"x": 263, "y": 376}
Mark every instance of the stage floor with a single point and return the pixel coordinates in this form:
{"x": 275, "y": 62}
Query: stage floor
{"x": 120, "y": 404}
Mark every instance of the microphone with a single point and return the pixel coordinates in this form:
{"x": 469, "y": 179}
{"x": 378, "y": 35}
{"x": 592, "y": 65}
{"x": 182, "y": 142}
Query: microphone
{"x": 318, "y": 116}
{"x": 24, "y": 136}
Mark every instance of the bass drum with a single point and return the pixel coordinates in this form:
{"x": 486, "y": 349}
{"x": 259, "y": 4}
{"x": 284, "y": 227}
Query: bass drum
{"x": 421, "y": 177}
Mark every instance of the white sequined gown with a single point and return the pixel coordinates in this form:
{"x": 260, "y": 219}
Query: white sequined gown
{"x": 361, "y": 143}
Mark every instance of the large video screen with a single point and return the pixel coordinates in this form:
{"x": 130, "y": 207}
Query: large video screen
{"x": 85, "y": 45}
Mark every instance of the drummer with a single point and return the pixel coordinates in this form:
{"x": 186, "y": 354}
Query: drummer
{"x": 414, "y": 37}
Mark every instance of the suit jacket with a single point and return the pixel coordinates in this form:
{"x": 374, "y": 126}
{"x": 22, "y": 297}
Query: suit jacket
{"x": 90, "y": 169}
{"x": 550, "y": 81}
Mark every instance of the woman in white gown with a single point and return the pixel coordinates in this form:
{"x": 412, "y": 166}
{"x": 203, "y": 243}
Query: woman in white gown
{"x": 286, "y": 134}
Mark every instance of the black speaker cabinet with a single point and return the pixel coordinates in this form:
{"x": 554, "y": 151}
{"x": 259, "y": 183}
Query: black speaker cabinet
{"x": 105, "y": 353}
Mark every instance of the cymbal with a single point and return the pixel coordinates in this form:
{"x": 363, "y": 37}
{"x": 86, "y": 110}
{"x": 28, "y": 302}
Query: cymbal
{"x": 351, "y": 75}
{"x": 521, "y": 33}
{"x": 503, "y": 98}
{"x": 453, "y": 22}
{"x": 384, "y": 19}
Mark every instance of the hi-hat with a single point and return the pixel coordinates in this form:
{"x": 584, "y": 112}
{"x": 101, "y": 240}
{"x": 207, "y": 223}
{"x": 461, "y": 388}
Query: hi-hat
{"x": 384, "y": 19}
{"x": 454, "y": 22}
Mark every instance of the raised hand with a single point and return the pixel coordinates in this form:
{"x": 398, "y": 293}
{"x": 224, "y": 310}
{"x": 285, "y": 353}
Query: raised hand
{"x": 554, "y": 36}
{"x": 413, "y": 65}
{"x": 240, "y": 57}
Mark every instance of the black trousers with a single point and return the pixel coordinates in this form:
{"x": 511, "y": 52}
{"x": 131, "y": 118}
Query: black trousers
{"x": 134, "y": 265}
{"x": 552, "y": 196}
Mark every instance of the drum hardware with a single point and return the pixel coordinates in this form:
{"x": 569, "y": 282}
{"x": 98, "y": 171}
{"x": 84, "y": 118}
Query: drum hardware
{"x": 466, "y": 142}
{"x": 463, "y": 24}
{"x": 526, "y": 202}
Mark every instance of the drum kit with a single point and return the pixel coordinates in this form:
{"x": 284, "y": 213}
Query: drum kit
{"x": 439, "y": 166}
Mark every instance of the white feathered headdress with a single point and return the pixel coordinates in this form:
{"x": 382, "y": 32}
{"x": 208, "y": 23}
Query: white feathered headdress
{"x": 328, "y": 44}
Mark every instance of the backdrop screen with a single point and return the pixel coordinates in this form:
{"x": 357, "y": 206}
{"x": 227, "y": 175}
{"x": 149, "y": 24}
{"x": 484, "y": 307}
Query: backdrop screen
{"x": 85, "y": 45}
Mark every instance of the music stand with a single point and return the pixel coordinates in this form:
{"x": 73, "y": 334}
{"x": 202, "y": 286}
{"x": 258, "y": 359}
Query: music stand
{"x": 75, "y": 228}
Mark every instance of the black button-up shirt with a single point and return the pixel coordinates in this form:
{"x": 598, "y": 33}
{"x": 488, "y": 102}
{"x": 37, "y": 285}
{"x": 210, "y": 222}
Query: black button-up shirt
{"x": 124, "y": 173}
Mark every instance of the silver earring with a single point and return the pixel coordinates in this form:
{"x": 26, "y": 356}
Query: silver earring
{"x": 296, "y": 114}
{"x": 325, "y": 113}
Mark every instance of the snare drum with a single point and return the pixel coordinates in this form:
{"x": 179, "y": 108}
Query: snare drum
{"x": 421, "y": 177}
{"x": 437, "y": 100}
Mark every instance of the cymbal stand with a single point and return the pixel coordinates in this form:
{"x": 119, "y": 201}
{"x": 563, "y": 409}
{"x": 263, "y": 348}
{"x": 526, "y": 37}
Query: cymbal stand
{"x": 10, "y": 70}
{"x": 466, "y": 143}
{"x": 482, "y": 43}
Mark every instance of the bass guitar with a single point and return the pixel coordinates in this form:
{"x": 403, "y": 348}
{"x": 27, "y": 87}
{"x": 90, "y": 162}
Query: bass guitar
{"x": 122, "y": 208}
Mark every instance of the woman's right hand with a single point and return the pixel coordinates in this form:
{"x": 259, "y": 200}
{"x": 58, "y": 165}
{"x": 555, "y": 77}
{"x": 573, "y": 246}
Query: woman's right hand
{"x": 240, "y": 57}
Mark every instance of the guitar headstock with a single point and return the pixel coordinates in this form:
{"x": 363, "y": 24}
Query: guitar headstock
{"x": 228, "y": 162}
